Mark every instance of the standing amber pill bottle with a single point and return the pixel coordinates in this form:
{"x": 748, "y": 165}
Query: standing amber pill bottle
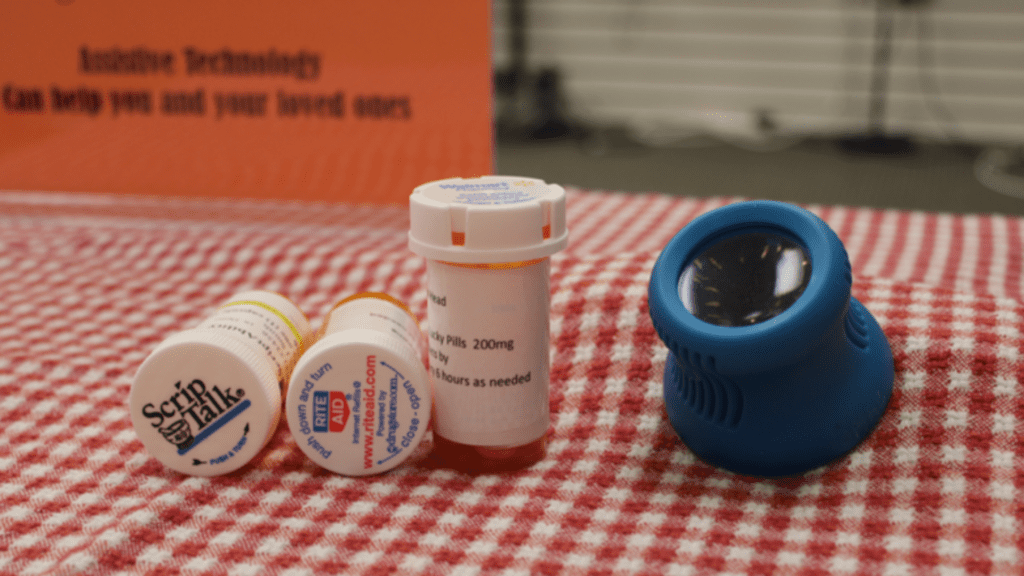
{"x": 488, "y": 243}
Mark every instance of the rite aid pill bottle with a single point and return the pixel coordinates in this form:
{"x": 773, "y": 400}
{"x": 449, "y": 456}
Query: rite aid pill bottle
{"x": 359, "y": 399}
{"x": 207, "y": 400}
{"x": 487, "y": 242}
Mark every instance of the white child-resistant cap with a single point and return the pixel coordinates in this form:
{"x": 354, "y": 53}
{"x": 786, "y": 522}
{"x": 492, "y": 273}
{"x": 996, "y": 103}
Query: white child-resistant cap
{"x": 490, "y": 219}
{"x": 207, "y": 400}
{"x": 359, "y": 402}
{"x": 204, "y": 403}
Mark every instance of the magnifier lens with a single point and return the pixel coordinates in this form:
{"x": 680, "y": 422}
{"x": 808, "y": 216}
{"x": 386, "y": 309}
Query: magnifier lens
{"x": 745, "y": 279}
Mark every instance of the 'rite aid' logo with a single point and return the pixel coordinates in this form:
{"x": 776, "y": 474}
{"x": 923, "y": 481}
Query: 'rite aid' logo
{"x": 330, "y": 411}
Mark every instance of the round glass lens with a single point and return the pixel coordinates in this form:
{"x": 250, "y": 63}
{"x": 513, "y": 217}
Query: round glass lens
{"x": 745, "y": 279}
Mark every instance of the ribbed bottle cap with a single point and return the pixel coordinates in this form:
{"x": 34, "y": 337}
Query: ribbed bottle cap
{"x": 487, "y": 219}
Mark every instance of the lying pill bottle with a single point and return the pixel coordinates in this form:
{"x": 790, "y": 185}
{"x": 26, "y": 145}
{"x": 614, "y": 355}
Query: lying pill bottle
{"x": 359, "y": 399}
{"x": 487, "y": 242}
{"x": 207, "y": 400}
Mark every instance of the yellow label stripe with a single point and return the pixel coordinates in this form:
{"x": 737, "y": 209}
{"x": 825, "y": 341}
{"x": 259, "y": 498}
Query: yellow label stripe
{"x": 277, "y": 312}
{"x": 495, "y": 266}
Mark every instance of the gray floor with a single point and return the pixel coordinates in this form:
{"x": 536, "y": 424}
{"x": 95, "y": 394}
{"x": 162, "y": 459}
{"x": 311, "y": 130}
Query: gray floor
{"x": 933, "y": 178}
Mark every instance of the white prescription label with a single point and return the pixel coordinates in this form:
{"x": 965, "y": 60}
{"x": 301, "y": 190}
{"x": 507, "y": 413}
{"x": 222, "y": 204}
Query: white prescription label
{"x": 262, "y": 326}
{"x": 376, "y": 314}
{"x": 488, "y": 346}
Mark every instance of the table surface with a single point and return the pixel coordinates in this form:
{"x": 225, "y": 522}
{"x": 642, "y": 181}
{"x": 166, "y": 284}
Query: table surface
{"x": 89, "y": 285}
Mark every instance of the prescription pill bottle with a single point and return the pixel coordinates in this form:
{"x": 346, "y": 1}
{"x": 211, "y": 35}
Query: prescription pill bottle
{"x": 359, "y": 400}
{"x": 487, "y": 242}
{"x": 207, "y": 400}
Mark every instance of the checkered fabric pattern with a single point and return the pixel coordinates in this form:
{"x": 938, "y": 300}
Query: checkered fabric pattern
{"x": 90, "y": 284}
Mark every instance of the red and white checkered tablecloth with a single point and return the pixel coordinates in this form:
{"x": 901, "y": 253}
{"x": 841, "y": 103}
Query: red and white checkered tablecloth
{"x": 90, "y": 284}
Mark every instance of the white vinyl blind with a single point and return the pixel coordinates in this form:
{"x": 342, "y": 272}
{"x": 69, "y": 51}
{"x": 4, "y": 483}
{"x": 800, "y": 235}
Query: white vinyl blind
{"x": 957, "y": 66}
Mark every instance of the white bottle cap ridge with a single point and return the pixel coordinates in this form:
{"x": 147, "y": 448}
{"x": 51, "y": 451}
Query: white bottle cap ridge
{"x": 489, "y": 219}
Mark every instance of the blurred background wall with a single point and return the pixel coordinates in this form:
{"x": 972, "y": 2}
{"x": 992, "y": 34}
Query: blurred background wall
{"x": 876, "y": 83}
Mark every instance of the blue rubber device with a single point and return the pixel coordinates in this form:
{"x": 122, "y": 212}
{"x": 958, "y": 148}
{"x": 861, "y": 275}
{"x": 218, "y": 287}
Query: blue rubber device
{"x": 774, "y": 369}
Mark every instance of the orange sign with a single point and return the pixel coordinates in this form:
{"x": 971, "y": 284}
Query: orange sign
{"x": 329, "y": 100}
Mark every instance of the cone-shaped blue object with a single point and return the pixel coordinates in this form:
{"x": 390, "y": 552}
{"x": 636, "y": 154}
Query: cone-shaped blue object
{"x": 774, "y": 368}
